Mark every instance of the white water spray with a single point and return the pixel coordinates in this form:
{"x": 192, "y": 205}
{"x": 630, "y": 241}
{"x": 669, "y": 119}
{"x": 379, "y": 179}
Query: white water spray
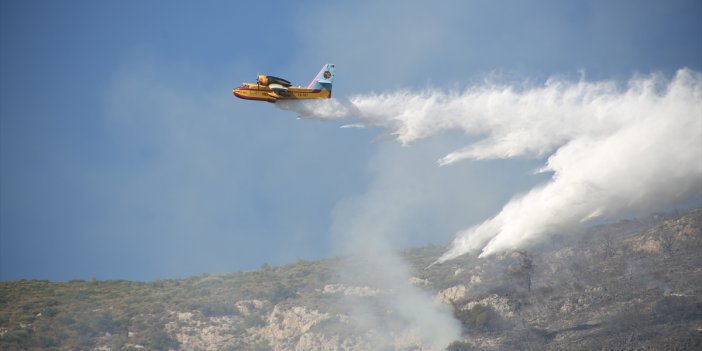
{"x": 611, "y": 148}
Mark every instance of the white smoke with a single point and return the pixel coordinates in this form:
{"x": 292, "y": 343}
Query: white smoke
{"x": 612, "y": 148}
{"x": 368, "y": 229}
{"x": 409, "y": 317}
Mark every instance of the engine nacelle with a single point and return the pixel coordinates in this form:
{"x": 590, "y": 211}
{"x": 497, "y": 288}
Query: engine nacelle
{"x": 267, "y": 80}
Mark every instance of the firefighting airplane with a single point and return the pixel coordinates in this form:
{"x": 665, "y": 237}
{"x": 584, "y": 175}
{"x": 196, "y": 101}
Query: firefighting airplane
{"x": 272, "y": 89}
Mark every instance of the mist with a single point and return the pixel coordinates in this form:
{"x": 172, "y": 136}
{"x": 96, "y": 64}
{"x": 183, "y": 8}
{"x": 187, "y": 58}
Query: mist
{"x": 612, "y": 148}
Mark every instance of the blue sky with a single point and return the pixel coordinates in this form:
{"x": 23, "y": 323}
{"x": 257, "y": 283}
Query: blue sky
{"x": 123, "y": 154}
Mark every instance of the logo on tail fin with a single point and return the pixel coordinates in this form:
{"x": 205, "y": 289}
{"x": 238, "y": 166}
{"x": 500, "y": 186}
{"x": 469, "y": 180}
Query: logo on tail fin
{"x": 323, "y": 80}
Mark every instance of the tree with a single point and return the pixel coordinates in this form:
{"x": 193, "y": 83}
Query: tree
{"x": 667, "y": 241}
{"x": 524, "y": 269}
{"x": 607, "y": 242}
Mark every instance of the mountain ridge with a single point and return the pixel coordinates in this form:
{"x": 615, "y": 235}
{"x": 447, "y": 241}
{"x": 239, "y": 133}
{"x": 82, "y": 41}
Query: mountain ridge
{"x": 631, "y": 285}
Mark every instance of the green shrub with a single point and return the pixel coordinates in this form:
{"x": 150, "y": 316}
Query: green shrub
{"x": 217, "y": 309}
{"x": 460, "y": 346}
{"x": 480, "y": 318}
{"x": 160, "y": 340}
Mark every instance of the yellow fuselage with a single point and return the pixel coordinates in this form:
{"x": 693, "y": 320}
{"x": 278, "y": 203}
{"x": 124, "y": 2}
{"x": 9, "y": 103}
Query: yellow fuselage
{"x": 253, "y": 91}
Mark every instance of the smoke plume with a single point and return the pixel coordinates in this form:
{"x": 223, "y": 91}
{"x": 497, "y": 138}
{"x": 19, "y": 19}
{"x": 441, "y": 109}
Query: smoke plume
{"x": 612, "y": 148}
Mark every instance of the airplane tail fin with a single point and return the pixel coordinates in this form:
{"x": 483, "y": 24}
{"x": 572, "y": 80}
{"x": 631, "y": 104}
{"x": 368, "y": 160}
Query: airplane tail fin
{"x": 323, "y": 80}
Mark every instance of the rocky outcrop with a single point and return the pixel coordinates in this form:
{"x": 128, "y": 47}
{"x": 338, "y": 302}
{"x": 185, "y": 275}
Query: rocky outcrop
{"x": 451, "y": 295}
{"x": 496, "y": 302}
{"x": 288, "y": 323}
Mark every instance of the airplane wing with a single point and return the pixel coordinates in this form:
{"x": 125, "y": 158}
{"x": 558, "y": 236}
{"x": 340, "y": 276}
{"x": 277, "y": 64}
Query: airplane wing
{"x": 277, "y": 88}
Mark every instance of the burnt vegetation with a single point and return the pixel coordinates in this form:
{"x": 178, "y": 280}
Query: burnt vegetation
{"x": 632, "y": 285}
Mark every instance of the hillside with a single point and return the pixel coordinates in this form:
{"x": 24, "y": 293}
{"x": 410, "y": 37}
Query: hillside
{"x": 633, "y": 285}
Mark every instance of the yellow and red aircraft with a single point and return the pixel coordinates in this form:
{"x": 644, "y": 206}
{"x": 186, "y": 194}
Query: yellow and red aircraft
{"x": 272, "y": 89}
